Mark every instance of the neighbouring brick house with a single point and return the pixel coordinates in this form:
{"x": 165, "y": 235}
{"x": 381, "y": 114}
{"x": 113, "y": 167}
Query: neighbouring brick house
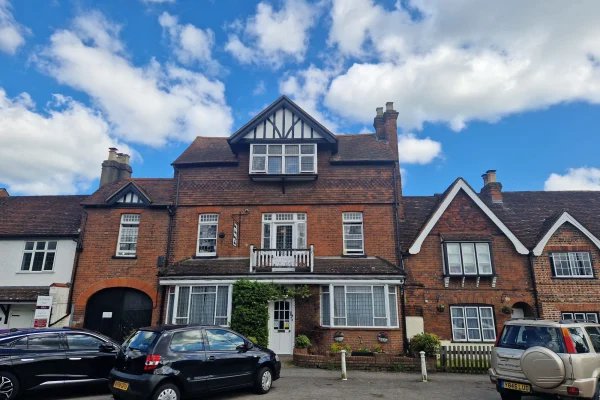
{"x": 38, "y": 247}
{"x": 124, "y": 241}
{"x": 473, "y": 260}
{"x": 284, "y": 200}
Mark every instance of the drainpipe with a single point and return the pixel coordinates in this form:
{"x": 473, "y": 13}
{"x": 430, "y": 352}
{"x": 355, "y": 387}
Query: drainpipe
{"x": 399, "y": 257}
{"x": 536, "y": 301}
{"x": 78, "y": 250}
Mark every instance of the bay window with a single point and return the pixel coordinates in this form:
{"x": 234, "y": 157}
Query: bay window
{"x": 359, "y": 306}
{"x": 283, "y": 159}
{"x": 207, "y": 305}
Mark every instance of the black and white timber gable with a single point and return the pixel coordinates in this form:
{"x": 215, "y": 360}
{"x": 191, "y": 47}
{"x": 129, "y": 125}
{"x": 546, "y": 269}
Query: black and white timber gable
{"x": 129, "y": 195}
{"x": 283, "y": 121}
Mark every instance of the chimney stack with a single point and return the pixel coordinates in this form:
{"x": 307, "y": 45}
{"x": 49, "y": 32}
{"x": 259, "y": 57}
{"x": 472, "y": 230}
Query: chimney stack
{"x": 491, "y": 189}
{"x": 115, "y": 167}
{"x": 4, "y": 193}
{"x": 379, "y": 124}
{"x": 386, "y": 125}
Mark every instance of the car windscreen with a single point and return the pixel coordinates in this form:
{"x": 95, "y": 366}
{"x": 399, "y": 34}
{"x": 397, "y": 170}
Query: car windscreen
{"x": 141, "y": 341}
{"x": 526, "y": 336}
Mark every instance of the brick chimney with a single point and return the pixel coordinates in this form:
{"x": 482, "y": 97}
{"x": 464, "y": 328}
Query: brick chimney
{"x": 491, "y": 189}
{"x": 386, "y": 125}
{"x": 4, "y": 193}
{"x": 115, "y": 168}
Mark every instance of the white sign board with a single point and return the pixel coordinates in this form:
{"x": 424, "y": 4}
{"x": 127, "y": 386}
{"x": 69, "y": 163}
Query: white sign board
{"x": 107, "y": 314}
{"x": 43, "y": 307}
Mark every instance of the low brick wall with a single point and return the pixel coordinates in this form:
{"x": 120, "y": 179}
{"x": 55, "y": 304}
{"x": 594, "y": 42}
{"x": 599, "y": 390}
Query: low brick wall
{"x": 377, "y": 362}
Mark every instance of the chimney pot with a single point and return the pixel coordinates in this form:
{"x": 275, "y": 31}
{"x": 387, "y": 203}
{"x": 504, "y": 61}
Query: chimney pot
{"x": 389, "y": 106}
{"x": 491, "y": 188}
{"x": 379, "y": 111}
{"x": 112, "y": 153}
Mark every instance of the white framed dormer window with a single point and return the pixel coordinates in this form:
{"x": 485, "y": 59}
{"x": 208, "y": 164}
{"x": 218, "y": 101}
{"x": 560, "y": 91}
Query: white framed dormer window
{"x": 572, "y": 265}
{"x": 353, "y": 233}
{"x": 128, "y": 235}
{"x": 368, "y": 306}
{"x": 283, "y": 159}
{"x": 473, "y": 324}
{"x": 468, "y": 258}
{"x": 208, "y": 225}
{"x": 284, "y": 231}
{"x": 39, "y": 256}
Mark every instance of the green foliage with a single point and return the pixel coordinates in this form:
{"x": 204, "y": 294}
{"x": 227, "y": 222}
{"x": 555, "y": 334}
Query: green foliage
{"x": 378, "y": 349}
{"x": 250, "y": 304}
{"x": 337, "y": 347}
{"x": 303, "y": 342}
{"x": 252, "y": 339}
{"x": 364, "y": 349}
{"x": 427, "y": 342}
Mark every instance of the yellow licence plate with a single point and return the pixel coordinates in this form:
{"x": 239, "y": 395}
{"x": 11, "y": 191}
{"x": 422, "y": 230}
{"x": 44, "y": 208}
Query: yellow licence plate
{"x": 121, "y": 385}
{"x": 520, "y": 387}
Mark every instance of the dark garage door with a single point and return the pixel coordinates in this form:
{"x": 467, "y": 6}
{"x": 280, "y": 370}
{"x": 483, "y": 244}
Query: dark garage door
{"x": 116, "y": 312}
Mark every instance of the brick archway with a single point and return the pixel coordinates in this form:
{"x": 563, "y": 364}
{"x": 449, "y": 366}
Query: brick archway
{"x": 145, "y": 287}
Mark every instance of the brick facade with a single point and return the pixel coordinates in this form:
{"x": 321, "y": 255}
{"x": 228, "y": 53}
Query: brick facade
{"x": 557, "y": 295}
{"x": 426, "y": 294}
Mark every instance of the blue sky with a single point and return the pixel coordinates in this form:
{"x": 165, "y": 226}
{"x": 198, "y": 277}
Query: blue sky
{"x": 512, "y": 86}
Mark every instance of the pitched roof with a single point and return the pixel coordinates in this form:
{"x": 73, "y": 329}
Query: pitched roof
{"x": 457, "y": 186}
{"x": 528, "y": 215}
{"x": 207, "y": 151}
{"x": 160, "y": 191}
{"x": 363, "y": 148}
{"x": 40, "y": 215}
{"x": 323, "y": 266}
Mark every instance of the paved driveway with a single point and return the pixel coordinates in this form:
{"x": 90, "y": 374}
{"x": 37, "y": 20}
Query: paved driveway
{"x": 308, "y": 384}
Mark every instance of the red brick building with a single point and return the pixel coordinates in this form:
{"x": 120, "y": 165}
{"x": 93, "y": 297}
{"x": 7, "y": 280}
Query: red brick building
{"x": 284, "y": 200}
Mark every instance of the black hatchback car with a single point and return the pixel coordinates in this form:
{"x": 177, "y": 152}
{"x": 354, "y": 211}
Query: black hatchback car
{"x": 170, "y": 362}
{"x": 32, "y": 358}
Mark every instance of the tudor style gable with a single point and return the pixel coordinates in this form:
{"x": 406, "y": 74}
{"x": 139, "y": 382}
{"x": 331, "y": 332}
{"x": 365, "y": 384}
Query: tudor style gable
{"x": 129, "y": 195}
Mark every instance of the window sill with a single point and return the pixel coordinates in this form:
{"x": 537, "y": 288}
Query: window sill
{"x": 469, "y": 276}
{"x": 283, "y": 177}
{"x": 589, "y": 278}
{"x": 124, "y": 257}
{"x": 35, "y": 272}
{"x": 204, "y": 257}
{"x": 354, "y": 255}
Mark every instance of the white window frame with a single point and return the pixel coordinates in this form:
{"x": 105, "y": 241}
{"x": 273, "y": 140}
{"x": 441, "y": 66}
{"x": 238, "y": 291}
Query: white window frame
{"x": 580, "y": 315}
{"x": 283, "y": 158}
{"x": 209, "y": 219}
{"x": 299, "y": 229}
{"x": 571, "y": 259}
{"x": 390, "y": 295}
{"x": 466, "y": 327}
{"x": 353, "y": 219}
{"x": 128, "y": 221}
{"x": 477, "y": 254}
{"x": 185, "y": 319}
{"x": 46, "y": 250}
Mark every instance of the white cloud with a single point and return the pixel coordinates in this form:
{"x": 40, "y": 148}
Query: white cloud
{"x": 273, "y": 36}
{"x": 463, "y": 60}
{"x": 574, "y": 179}
{"x": 191, "y": 44}
{"x": 412, "y": 150}
{"x": 12, "y": 35}
{"x": 307, "y": 88}
{"x": 58, "y": 151}
{"x": 151, "y": 104}
{"x": 259, "y": 89}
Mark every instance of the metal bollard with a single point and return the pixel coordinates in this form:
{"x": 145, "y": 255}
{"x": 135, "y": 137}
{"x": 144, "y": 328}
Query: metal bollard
{"x": 344, "y": 375}
{"x": 423, "y": 366}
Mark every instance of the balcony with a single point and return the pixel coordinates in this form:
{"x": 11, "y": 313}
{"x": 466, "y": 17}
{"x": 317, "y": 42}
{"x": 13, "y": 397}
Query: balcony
{"x": 282, "y": 260}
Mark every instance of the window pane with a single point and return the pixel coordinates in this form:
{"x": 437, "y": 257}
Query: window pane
{"x": 307, "y": 163}
{"x": 483, "y": 258}
{"x": 308, "y": 149}
{"x": 581, "y": 345}
{"x": 51, "y": 245}
{"x": 454, "y": 263}
{"x": 83, "y": 342}
{"x": 28, "y": 245}
{"x": 259, "y": 149}
{"x": 301, "y": 234}
{"x": 267, "y": 236}
{"x": 26, "y": 262}
{"x": 187, "y": 341}
{"x": 222, "y": 302}
{"x": 258, "y": 163}
{"x": 379, "y": 302}
{"x": 292, "y": 149}
{"x": 594, "y": 333}
{"x": 49, "y": 262}
{"x": 274, "y": 165}
{"x": 393, "y": 306}
{"x": 325, "y": 315}
{"x": 292, "y": 165}
{"x": 202, "y": 308}
{"x": 468, "y": 258}
{"x": 182, "y": 303}
{"x": 38, "y": 260}
{"x": 40, "y": 245}
{"x": 44, "y": 342}
{"x": 339, "y": 305}
{"x": 275, "y": 149}
{"x": 359, "y": 308}
{"x": 222, "y": 340}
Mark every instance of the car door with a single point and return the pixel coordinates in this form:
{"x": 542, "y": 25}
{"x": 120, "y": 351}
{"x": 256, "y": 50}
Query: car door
{"x": 40, "y": 358}
{"x": 186, "y": 351}
{"x": 228, "y": 362}
{"x": 88, "y": 357}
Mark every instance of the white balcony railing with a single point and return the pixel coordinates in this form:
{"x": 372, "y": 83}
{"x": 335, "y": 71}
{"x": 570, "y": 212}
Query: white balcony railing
{"x": 281, "y": 260}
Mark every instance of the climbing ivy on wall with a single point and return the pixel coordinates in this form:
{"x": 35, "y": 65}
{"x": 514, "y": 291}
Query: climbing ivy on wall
{"x": 250, "y": 305}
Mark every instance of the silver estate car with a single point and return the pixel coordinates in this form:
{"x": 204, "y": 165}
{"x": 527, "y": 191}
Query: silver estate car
{"x": 547, "y": 357}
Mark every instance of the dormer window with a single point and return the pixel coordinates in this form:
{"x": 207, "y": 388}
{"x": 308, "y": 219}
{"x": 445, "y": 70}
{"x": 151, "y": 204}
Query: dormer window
{"x": 283, "y": 159}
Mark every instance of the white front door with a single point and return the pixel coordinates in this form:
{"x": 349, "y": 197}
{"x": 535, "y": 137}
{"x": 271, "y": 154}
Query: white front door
{"x": 21, "y": 316}
{"x": 518, "y": 313}
{"x": 281, "y": 326}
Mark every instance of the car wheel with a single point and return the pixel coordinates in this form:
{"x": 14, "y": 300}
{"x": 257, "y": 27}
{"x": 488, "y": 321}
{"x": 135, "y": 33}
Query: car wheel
{"x": 264, "y": 380}
{"x": 597, "y": 393}
{"x": 510, "y": 396}
{"x": 9, "y": 386}
{"x": 167, "y": 391}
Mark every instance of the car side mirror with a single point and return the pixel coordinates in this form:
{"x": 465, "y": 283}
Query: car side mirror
{"x": 107, "y": 347}
{"x": 244, "y": 347}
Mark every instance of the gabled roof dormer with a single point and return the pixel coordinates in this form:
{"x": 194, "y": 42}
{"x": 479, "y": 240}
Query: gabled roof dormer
{"x": 283, "y": 141}
{"x": 129, "y": 195}
{"x": 565, "y": 217}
